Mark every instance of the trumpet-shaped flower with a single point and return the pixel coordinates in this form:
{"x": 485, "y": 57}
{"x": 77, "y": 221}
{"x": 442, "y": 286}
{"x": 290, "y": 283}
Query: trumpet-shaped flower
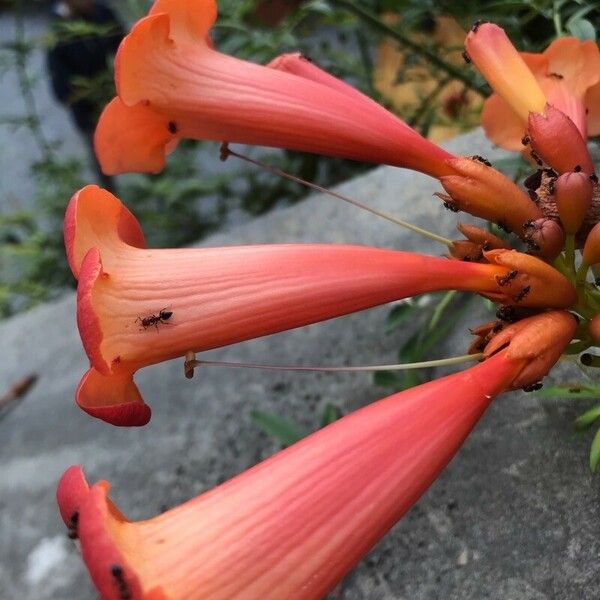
{"x": 294, "y": 525}
{"x": 172, "y": 84}
{"x": 138, "y": 306}
{"x": 566, "y": 76}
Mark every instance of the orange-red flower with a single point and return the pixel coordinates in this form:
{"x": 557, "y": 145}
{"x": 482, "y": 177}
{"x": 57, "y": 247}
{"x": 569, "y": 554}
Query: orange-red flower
{"x": 294, "y": 525}
{"x": 138, "y": 306}
{"x": 172, "y": 84}
{"x": 566, "y": 75}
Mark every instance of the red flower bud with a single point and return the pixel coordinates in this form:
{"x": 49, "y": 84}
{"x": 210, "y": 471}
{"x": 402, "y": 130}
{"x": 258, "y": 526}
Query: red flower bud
{"x": 556, "y": 140}
{"x": 591, "y": 249}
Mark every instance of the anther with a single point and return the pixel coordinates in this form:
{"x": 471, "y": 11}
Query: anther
{"x": 188, "y": 365}
{"x": 224, "y": 152}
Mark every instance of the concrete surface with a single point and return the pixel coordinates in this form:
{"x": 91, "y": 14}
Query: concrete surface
{"x": 514, "y": 516}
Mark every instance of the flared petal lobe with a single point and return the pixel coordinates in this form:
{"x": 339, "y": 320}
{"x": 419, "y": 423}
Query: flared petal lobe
{"x": 172, "y": 83}
{"x": 294, "y": 525}
{"x": 568, "y": 73}
{"x": 138, "y": 306}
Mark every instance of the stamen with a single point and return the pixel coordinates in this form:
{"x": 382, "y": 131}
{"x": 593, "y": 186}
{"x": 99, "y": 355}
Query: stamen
{"x": 226, "y": 152}
{"x": 428, "y": 364}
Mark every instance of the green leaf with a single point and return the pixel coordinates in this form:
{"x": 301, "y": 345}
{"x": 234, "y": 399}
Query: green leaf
{"x": 595, "y": 452}
{"x": 582, "y": 29}
{"x": 570, "y": 391}
{"x": 331, "y": 413}
{"x": 287, "y": 432}
{"x": 398, "y": 315}
{"x": 587, "y": 418}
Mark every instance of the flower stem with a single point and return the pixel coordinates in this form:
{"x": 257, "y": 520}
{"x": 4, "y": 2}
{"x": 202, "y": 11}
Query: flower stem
{"x": 226, "y": 151}
{"x": 428, "y": 364}
{"x": 570, "y": 252}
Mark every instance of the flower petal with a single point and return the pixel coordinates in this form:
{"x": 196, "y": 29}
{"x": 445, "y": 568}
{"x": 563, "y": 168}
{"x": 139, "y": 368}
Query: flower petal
{"x": 294, "y": 525}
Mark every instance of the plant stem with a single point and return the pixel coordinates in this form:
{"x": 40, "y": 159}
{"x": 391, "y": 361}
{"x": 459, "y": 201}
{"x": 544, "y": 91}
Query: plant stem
{"x": 405, "y": 41}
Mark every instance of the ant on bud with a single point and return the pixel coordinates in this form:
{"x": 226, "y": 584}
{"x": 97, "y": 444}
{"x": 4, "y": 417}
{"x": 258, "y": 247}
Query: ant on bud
{"x": 508, "y": 314}
{"x": 523, "y": 293}
{"x": 506, "y": 279}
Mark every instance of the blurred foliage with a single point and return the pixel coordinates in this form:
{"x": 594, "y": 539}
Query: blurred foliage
{"x": 185, "y": 201}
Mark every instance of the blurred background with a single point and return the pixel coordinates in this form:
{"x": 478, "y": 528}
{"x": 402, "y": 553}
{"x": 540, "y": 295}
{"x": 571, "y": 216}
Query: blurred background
{"x": 56, "y": 61}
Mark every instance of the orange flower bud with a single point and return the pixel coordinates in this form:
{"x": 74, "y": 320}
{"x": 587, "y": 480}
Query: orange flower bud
{"x": 466, "y": 250}
{"x": 531, "y": 281}
{"x": 591, "y": 249}
{"x": 539, "y": 340}
{"x": 484, "y": 192}
{"x": 504, "y": 69}
{"x": 484, "y": 238}
{"x": 556, "y": 140}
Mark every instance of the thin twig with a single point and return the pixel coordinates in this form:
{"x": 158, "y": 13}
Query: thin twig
{"x": 419, "y": 49}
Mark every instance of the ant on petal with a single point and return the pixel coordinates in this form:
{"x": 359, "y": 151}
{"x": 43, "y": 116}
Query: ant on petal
{"x": 153, "y": 320}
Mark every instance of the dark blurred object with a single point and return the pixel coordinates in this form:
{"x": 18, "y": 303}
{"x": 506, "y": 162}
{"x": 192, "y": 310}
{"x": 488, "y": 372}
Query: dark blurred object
{"x": 9, "y": 400}
{"x": 87, "y": 34}
{"x": 272, "y": 12}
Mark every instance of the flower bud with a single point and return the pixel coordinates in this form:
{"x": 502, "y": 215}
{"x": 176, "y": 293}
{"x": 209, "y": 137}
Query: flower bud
{"x": 573, "y": 196}
{"x": 591, "y": 249}
{"x": 594, "y": 329}
{"x": 484, "y": 192}
{"x": 484, "y": 238}
{"x": 504, "y": 69}
{"x": 545, "y": 238}
{"x": 540, "y": 340}
{"x": 466, "y": 250}
{"x": 555, "y": 139}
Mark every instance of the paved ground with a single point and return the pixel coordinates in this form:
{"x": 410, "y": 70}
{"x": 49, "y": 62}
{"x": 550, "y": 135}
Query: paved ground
{"x": 515, "y": 515}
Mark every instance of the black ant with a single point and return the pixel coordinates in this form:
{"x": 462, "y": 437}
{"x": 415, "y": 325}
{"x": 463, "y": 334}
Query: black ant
{"x": 72, "y": 526}
{"x": 117, "y": 572}
{"x": 466, "y": 57}
{"x": 477, "y": 24}
{"x": 172, "y": 127}
{"x": 507, "y": 314}
{"x": 506, "y": 279}
{"x": 153, "y": 320}
{"x": 524, "y": 291}
{"x": 482, "y": 160}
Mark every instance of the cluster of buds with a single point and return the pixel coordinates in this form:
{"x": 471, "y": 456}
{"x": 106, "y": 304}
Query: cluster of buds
{"x": 294, "y": 525}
